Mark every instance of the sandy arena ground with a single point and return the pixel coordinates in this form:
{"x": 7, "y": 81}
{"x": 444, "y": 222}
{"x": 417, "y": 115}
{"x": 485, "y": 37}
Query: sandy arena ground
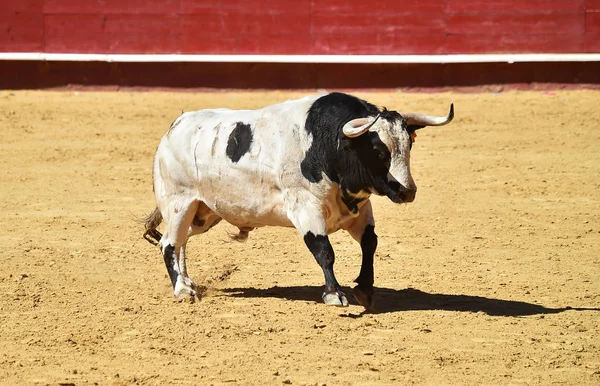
{"x": 492, "y": 276}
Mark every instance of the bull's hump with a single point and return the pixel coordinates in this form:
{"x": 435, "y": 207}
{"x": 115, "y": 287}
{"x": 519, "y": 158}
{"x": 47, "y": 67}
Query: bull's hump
{"x": 239, "y": 141}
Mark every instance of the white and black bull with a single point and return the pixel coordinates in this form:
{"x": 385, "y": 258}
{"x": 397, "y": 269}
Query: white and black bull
{"x": 310, "y": 163}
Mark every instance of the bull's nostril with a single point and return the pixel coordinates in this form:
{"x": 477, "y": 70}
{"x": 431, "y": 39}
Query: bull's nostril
{"x": 409, "y": 195}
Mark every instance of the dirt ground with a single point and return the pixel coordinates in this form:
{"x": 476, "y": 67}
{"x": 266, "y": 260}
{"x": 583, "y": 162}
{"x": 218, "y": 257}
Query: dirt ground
{"x": 492, "y": 276}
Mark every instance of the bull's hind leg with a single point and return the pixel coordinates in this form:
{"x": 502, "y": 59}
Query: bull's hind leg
{"x": 179, "y": 216}
{"x": 183, "y": 268}
{"x": 203, "y": 220}
{"x": 363, "y": 231}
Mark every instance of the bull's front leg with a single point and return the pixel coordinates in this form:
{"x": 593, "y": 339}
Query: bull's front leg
{"x": 363, "y": 231}
{"x": 322, "y": 250}
{"x": 305, "y": 213}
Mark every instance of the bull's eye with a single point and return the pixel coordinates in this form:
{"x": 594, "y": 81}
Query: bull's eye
{"x": 382, "y": 154}
{"x": 378, "y": 151}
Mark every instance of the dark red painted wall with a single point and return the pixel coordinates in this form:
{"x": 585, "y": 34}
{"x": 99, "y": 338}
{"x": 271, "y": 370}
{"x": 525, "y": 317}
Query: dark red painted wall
{"x": 300, "y": 26}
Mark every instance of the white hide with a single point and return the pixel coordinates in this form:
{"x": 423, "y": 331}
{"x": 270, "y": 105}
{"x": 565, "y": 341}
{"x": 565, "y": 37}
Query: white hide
{"x": 266, "y": 186}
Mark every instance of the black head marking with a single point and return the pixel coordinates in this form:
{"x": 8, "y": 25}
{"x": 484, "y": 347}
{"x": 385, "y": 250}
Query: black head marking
{"x": 324, "y": 121}
{"x": 239, "y": 141}
{"x": 356, "y": 164}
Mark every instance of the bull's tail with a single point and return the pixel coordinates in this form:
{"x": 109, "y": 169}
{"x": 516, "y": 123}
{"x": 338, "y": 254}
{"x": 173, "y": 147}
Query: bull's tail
{"x": 151, "y": 222}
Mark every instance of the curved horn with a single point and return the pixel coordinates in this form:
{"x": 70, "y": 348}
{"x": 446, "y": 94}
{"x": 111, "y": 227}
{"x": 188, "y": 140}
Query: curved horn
{"x": 422, "y": 120}
{"x": 358, "y": 126}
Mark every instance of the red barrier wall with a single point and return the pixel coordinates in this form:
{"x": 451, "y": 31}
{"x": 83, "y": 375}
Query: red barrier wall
{"x": 300, "y": 26}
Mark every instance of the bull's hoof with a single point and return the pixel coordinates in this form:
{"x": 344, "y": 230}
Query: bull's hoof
{"x": 336, "y": 298}
{"x": 365, "y": 297}
{"x": 185, "y": 293}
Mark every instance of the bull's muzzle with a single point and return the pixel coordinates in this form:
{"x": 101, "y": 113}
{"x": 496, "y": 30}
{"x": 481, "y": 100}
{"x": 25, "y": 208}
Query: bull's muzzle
{"x": 400, "y": 194}
{"x": 408, "y": 195}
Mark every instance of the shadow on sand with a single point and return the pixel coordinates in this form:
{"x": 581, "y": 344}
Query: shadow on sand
{"x": 410, "y": 299}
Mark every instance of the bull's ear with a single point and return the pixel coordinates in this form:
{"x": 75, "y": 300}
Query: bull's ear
{"x": 359, "y": 126}
{"x": 413, "y": 128}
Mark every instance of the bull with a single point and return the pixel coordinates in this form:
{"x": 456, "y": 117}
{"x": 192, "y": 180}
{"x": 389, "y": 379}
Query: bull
{"x": 311, "y": 164}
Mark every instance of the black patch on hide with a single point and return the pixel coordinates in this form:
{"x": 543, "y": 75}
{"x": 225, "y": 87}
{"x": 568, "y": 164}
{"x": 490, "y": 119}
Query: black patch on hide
{"x": 169, "y": 256}
{"x": 239, "y": 141}
{"x": 351, "y": 201}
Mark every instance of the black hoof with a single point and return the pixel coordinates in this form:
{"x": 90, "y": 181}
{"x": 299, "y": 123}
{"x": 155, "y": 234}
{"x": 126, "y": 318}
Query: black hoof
{"x": 365, "y": 297}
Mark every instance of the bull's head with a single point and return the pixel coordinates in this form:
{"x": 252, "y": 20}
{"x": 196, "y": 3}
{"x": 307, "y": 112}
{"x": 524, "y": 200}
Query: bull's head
{"x": 383, "y": 145}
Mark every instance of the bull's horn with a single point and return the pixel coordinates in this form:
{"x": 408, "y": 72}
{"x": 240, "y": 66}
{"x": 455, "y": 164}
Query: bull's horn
{"x": 358, "y": 126}
{"x": 422, "y": 120}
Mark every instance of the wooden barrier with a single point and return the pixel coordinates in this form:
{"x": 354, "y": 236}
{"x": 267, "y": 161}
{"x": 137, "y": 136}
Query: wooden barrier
{"x": 300, "y": 26}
